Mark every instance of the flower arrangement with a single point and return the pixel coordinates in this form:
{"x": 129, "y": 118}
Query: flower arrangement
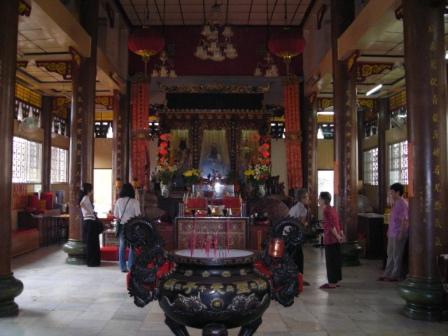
{"x": 165, "y": 172}
{"x": 192, "y": 176}
{"x": 258, "y": 174}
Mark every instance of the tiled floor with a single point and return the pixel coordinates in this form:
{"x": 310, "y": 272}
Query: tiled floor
{"x": 60, "y": 299}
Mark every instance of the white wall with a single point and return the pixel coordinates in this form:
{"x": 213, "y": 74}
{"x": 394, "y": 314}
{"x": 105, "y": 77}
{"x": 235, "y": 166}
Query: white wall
{"x": 278, "y": 155}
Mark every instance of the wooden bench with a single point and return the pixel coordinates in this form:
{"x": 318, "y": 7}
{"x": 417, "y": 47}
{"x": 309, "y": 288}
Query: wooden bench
{"x": 23, "y": 241}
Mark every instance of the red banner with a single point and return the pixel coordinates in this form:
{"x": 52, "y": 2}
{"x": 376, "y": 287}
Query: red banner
{"x": 139, "y": 154}
{"x": 293, "y": 134}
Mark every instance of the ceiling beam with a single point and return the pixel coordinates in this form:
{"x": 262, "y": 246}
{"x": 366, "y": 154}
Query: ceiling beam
{"x": 136, "y": 13}
{"x": 45, "y": 57}
{"x": 162, "y": 21}
{"x": 272, "y": 13}
{"x": 203, "y": 12}
{"x": 295, "y": 12}
{"x": 123, "y": 14}
{"x": 181, "y": 12}
{"x": 307, "y": 13}
{"x": 250, "y": 11}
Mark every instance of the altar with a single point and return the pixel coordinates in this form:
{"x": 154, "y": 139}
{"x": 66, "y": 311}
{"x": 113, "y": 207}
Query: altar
{"x": 231, "y": 232}
{"x": 212, "y": 215}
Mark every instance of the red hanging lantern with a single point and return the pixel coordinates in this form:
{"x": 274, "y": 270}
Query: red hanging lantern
{"x": 146, "y": 43}
{"x": 287, "y": 44}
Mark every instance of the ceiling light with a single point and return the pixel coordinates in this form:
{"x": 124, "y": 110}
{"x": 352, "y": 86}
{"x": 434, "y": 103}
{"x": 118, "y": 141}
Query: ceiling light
{"x": 446, "y": 54}
{"x": 325, "y": 113}
{"x": 375, "y": 89}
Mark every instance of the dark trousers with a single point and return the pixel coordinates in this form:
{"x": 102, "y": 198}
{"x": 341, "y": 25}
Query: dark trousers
{"x": 297, "y": 257}
{"x": 333, "y": 261}
{"x": 300, "y": 259}
{"x": 92, "y": 241}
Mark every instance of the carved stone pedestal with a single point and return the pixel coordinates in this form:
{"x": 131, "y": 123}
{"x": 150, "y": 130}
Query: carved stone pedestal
{"x": 10, "y": 288}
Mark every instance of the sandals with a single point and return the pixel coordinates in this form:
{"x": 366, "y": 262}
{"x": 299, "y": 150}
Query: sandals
{"x": 327, "y": 286}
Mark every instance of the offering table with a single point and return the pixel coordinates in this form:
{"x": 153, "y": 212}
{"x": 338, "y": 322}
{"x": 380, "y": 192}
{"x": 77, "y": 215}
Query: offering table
{"x": 233, "y": 229}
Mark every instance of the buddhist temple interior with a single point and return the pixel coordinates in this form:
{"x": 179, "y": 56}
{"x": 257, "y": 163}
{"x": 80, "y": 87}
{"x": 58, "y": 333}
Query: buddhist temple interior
{"x": 220, "y": 115}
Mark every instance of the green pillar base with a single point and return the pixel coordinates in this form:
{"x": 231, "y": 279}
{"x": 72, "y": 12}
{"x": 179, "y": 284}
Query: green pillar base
{"x": 350, "y": 253}
{"x": 10, "y": 287}
{"x": 425, "y": 299}
{"x": 76, "y": 252}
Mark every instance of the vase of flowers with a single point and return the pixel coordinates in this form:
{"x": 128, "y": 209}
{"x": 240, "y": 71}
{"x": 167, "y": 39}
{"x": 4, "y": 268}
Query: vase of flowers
{"x": 165, "y": 174}
{"x": 257, "y": 176}
{"x": 191, "y": 177}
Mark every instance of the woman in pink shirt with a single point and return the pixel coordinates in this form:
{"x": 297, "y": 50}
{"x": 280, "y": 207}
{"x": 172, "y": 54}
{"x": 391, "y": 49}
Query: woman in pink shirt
{"x": 333, "y": 237}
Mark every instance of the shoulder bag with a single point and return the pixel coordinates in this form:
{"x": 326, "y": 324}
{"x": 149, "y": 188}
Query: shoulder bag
{"x": 119, "y": 227}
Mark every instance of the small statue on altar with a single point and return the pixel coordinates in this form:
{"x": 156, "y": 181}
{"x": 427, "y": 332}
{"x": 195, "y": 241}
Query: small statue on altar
{"x": 213, "y": 164}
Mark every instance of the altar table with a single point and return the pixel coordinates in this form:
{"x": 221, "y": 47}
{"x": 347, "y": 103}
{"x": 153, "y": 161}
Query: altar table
{"x": 237, "y": 228}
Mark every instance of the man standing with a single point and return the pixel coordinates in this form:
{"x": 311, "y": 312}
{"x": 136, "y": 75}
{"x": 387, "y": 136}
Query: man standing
{"x": 300, "y": 211}
{"x": 397, "y": 234}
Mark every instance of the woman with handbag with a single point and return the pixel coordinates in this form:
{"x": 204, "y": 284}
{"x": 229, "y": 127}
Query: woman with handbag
{"x": 333, "y": 237}
{"x": 90, "y": 226}
{"x": 126, "y": 207}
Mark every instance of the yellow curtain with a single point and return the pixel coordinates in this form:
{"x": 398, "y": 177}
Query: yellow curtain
{"x": 248, "y": 148}
{"x": 178, "y": 136}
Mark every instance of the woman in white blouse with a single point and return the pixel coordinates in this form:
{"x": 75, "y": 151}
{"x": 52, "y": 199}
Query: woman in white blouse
{"x": 90, "y": 226}
{"x": 126, "y": 207}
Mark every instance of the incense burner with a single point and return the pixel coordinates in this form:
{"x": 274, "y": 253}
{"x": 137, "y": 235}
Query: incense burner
{"x": 212, "y": 290}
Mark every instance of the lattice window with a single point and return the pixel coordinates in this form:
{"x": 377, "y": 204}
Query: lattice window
{"x": 59, "y": 165}
{"x": 102, "y": 128}
{"x": 325, "y": 131}
{"x": 27, "y": 161}
{"x": 277, "y": 130}
{"x": 398, "y": 163}
{"x": 370, "y": 169}
{"x": 19, "y": 161}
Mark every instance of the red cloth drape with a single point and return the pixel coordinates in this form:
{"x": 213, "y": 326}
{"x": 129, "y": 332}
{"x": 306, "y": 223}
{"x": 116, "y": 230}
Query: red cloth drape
{"x": 139, "y": 153}
{"x": 293, "y": 133}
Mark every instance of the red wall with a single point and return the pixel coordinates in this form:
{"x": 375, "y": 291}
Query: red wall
{"x": 250, "y": 43}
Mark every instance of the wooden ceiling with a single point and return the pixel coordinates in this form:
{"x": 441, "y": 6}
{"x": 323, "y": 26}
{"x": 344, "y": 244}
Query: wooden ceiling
{"x": 232, "y": 12}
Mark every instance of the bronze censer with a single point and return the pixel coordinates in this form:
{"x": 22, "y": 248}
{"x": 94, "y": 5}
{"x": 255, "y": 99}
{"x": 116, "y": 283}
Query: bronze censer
{"x": 213, "y": 291}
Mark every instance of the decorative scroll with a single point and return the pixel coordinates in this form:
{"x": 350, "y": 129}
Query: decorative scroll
{"x": 324, "y": 103}
{"x": 61, "y": 106}
{"x": 21, "y": 64}
{"x": 76, "y": 146}
{"x": 139, "y": 153}
{"x": 365, "y": 69}
{"x": 28, "y": 96}
{"x": 106, "y": 101}
{"x": 352, "y": 60}
{"x": 63, "y": 68}
{"x": 436, "y": 105}
{"x": 397, "y": 101}
{"x": 293, "y": 133}
{"x": 118, "y": 143}
{"x": 215, "y": 88}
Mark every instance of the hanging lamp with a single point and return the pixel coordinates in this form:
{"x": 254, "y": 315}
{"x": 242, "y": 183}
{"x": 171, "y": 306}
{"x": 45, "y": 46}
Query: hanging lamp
{"x": 286, "y": 44}
{"x": 146, "y": 43}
